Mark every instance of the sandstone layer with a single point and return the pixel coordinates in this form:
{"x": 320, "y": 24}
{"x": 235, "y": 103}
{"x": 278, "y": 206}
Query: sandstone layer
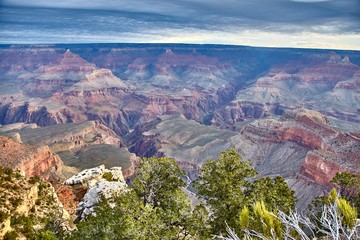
{"x": 32, "y": 160}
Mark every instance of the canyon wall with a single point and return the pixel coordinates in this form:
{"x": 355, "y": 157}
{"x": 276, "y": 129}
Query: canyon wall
{"x": 33, "y": 161}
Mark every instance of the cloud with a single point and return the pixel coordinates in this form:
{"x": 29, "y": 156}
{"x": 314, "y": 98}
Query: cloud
{"x": 184, "y": 20}
{"x": 278, "y": 10}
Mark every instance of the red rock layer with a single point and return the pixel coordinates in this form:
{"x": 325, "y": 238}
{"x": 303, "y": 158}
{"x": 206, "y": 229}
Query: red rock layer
{"x": 322, "y": 167}
{"x": 34, "y": 161}
{"x": 67, "y": 197}
{"x": 330, "y": 151}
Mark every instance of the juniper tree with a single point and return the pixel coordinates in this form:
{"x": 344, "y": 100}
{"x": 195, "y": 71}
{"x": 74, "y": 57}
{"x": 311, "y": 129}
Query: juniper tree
{"x": 228, "y": 187}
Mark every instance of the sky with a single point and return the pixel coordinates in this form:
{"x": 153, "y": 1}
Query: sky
{"x": 332, "y": 24}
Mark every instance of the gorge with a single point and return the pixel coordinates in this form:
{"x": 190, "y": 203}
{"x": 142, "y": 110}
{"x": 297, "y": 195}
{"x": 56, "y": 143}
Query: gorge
{"x": 293, "y": 112}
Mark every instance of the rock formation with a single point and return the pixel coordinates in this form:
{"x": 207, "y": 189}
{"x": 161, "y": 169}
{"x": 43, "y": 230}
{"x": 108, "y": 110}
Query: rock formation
{"x": 32, "y": 160}
{"x": 316, "y": 85}
{"x": 147, "y": 82}
{"x": 93, "y": 196}
{"x": 27, "y": 197}
{"x": 301, "y": 146}
{"x": 65, "y": 136}
{"x": 85, "y": 176}
{"x": 99, "y": 182}
{"x": 74, "y": 142}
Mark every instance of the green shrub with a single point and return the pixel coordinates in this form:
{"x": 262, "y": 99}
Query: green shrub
{"x": 23, "y": 224}
{"x": 18, "y": 175}
{"x": 11, "y": 235}
{"x": 34, "y": 180}
{"x": 3, "y": 216}
{"x": 45, "y": 235}
{"x": 41, "y": 187}
{"x": 16, "y": 202}
{"x": 37, "y": 202}
{"x": 8, "y": 171}
{"x": 108, "y": 176}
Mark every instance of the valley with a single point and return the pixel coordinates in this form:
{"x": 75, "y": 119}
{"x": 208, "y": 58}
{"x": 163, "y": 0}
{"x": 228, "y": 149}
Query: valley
{"x": 292, "y": 112}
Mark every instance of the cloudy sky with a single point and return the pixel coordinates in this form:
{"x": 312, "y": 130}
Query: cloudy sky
{"x": 280, "y": 23}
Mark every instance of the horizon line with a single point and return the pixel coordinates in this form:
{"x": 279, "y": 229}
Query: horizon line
{"x": 175, "y": 43}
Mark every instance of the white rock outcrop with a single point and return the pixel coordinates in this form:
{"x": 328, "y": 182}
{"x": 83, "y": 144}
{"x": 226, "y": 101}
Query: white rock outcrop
{"x": 86, "y": 176}
{"x": 116, "y": 173}
{"x": 97, "y": 186}
{"x": 93, "y": 196}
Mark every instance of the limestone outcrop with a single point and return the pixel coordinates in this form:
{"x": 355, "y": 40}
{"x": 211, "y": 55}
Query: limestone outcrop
{"x": 98, "y": 182}
{"x": 85, "y": 176}
{"x": 93, "y": 196}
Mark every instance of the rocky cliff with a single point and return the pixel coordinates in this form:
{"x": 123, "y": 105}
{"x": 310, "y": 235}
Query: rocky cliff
{"x": 324, "y": 84}
{"x": 213, "y": 85}
{"x": 301, "y": 146}
{"x": 80, "y": 145}
{"x": 27, "y": 201}
{"x": 67, "y": 136}
{"x": 32, "y": 160}
{"x": 310, "y": 130}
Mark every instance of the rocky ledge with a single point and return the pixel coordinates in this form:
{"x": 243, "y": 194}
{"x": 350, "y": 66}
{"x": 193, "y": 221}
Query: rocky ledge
{"x": 98, "y": 182}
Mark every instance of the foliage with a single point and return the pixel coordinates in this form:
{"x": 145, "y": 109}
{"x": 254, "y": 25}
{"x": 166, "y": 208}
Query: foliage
{"x": 45, "y": 235}
{"x": 3, "y": 216}
{"x": 34, "y": 179}
{"x": 108, "y": 176}
{"x": 23, "y": 224}
{"x": 221, "y": 185}
{"x": 157, "y": 180}
{"x": 111, "y": 223}
{"x": 269, "y": 223}
{"x": 348, "y": 213}
{"x": 274, "y": 192}
{"x": 11, "y": 235}
{"x": 231, "y": 194}
{"x": 348, "y": 185}
{"x": 338, "y": 220}
{"x": 244, "y": 218}
{"x": 156, "y": 208}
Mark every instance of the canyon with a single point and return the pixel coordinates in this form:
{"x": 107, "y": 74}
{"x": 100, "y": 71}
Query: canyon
{"x": 293, "y": 112}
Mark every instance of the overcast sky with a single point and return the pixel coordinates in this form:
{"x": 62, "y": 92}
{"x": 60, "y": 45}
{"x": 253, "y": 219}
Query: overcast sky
{"x": 280, "y": 23}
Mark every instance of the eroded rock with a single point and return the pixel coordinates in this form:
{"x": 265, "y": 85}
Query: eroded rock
{"x": 93, "y": 196}
{"x": 98, "y": 182}
{"x": 86, "y": 175}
